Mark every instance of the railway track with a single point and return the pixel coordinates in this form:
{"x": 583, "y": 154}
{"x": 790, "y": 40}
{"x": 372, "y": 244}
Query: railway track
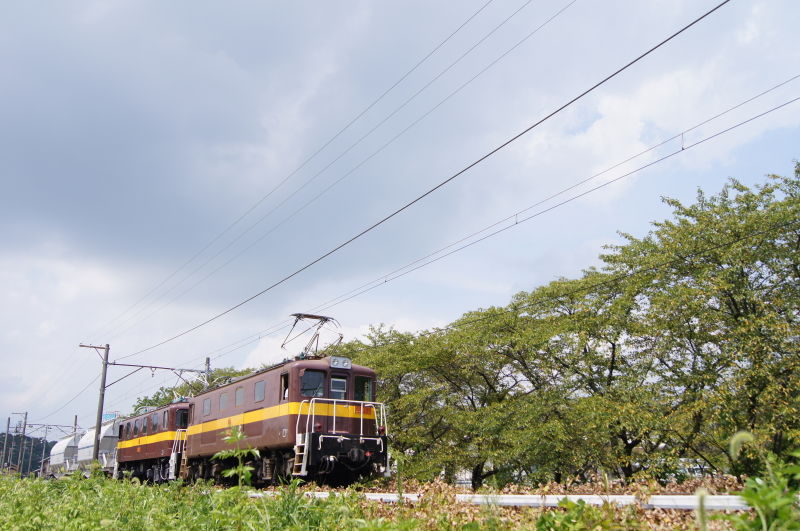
{"x": 724, "y": 502}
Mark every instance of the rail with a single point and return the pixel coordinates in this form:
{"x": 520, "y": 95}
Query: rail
{"x": 378, "y": 413}
{"x": 722, "y": 502}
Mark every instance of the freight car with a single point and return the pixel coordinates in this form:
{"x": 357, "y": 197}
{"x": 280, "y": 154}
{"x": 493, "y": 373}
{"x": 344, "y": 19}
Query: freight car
{"x": 64, "y": 456}
{"x": 107, "y": 448}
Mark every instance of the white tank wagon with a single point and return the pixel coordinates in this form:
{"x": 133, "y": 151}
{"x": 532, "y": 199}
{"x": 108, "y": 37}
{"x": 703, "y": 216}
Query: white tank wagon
{"x": 107, "y": 455}
{"x": 64, "y": 456}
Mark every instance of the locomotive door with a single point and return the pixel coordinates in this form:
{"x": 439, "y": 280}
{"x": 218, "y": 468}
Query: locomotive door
{"x": 341, "y": 420}
{"x": 189, "y": 420}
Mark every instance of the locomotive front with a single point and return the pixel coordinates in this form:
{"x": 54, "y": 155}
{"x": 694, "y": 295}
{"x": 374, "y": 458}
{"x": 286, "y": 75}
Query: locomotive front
{"x": 339, "y": 428}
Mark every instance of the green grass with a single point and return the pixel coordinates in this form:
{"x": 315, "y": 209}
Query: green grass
{"x": 98, "y": 503}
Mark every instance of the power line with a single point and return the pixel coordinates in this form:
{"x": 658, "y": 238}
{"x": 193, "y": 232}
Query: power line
{"x": 592, "y": 287}
{"x": 440, "y": 185}
{"x": 237, "y": 345}
{"x": 422, "y": 262}
{"x": 247, "y": 341}
{"x": 303, "y": 164}
{"x": 614, "y": 279}
{"x": 405, "y": 269}
{"x": 339, "y": 157}
{"x": 68, "y": 402}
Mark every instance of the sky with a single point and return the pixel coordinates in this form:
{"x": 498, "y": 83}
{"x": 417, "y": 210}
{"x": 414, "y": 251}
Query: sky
{"x": 162, "y": 162}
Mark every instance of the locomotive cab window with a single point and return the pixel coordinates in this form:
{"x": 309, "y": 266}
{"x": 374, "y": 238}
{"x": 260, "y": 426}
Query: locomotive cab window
{"x": 181, "y": 418}
{"x": 206, "y": 407}
{"x": 284, "y": 386}
{"x": 223, "y": 401}
{"x": 312, "y": 383}
{"x": 154, "y": 422}
{"x": 338, "y": 388}
{"x": 166, "y": 419}
{"x": 363, "y": 389}
{"x": 128, "y": 430}
{"x": 121, "y": 435}
{"x": 239, "y": 397}
{"x": 144, "y": 426}
{"x": 137, "y": 423}
{"x": 259, "y": 391}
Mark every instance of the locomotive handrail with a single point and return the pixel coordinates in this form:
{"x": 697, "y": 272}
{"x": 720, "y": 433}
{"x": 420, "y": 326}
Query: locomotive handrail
{"x": 311, "y": 413}
{"x": 179, "y": 443}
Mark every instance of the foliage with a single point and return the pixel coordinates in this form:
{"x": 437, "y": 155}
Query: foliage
{"x": 12, "y": 454}
{"x": 98, "y": 503}
{"x": 242, "y": 471}
{"x": 644, "y": 366}
{"x": 773, "y": 496}
{"x": 640, "y": 368}
{"x": 579, "y": 516}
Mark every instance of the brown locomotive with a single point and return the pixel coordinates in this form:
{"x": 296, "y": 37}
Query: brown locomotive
{"x": 313, "y": 418}
{"x": 150, "y": 444}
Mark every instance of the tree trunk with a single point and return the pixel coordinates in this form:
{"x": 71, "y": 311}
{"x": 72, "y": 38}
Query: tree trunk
{"x": 477, "y": 476}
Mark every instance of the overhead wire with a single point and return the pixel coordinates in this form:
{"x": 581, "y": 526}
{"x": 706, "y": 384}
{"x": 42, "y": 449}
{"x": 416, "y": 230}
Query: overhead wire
{"x": 539, "y": 213}
{"x": 388, "y": 277}
{"x": 593, "y": 286}
{"x": 339, "y": 157}
{"x": 396, "y": 273}
{"x": 236, "y": 345}
{"x": 68, "y": 402}
{"x": 305, "y": 161}
{"x": 436, "y": 187}
{"x": 429, "y": 259}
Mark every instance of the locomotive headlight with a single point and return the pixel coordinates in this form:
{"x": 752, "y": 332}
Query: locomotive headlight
{"x": 341, "y": 363}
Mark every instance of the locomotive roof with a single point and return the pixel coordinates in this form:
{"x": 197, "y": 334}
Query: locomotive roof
{"x": 150, "y": 412}
{"x": 307, "y": 363}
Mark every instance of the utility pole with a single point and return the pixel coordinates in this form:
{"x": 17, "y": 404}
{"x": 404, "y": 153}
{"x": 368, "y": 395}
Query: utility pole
{"x": 208, "y": 371}
{"x": 22, "y": 445}
{"x": 100, "y": 402}
{"x": 103, "y": 386}
{"x": 5, "y": 443}
{"x": 44, "y": 450}
{"x": 30, "y": 455}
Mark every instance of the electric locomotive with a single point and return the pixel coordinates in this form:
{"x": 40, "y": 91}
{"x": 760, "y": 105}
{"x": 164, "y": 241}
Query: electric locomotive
{"x": 313, "y": 418}
{"x": 151, "y": 443}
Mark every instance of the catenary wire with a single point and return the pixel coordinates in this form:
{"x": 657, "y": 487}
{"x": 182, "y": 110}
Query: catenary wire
{"x": 305, "y": 162}
{"x": 383, "y": 278}
{"x": 405, "y": 269}
{"x": 435, "y": 188}
{"x": 408, "y": 269}
{"x": 236, "y": 345}
{"x": 591, "y": 287}
{"x": 68, "y": 402}
{"x": 388, "y": 277}
{"x": 332, "y": 162}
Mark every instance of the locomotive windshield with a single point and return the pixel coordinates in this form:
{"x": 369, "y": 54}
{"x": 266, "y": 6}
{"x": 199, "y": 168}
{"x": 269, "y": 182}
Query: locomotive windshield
{"x": 181, "y": 418}
{"x": 313, "y": 383}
